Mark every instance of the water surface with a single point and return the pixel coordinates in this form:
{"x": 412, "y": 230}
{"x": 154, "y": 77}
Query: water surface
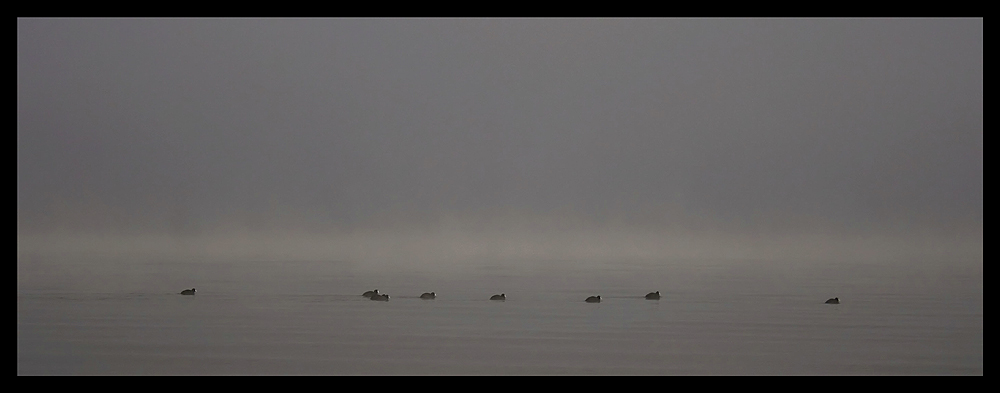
{"x": 82, "y": 316}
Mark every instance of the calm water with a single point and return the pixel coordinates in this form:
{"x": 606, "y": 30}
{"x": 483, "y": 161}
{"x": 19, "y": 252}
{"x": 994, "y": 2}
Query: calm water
{"x": 119, "y": 316}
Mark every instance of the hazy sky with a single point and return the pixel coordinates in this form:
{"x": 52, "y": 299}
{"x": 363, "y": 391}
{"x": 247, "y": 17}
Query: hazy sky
{"x": 195, "y": 125}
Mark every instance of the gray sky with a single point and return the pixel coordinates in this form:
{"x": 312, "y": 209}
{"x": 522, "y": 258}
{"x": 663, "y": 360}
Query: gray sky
{"x": 186, "y": 126}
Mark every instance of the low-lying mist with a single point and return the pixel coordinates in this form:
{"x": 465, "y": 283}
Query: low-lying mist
{"x": 444, "y": 245}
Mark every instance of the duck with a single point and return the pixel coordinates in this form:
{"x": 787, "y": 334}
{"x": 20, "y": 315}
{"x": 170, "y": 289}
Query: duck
{"x": 653, "y": 295}
{"x": 593, "y": 299}
{"x": 502, "y": 296}
{"x": 369, "y": 294}
{"x": 188, "y": 291}
{"x": 428, "y": 295}
{"x": 380, "y": 297}
{"x": 835, "y": 300}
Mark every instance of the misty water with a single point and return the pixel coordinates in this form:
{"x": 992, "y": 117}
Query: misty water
{"x": 123, "y": 316}
{"x": 749, "y": 169}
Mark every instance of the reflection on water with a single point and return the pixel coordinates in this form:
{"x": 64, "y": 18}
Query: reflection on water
{"x": 749, "y": 317}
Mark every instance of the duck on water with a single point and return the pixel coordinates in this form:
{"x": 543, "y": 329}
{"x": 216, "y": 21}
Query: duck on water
{"x": 835, "y": 300}
{"x": 653, "y": 295}
{"x": 369, "y": 294}
{"x": 428, "y": 295}
{"x": 380, "y": 297}
{"x": 502, "y": 296}
{"x": 188, "y": 291}
{"x": 593, "y": 299}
